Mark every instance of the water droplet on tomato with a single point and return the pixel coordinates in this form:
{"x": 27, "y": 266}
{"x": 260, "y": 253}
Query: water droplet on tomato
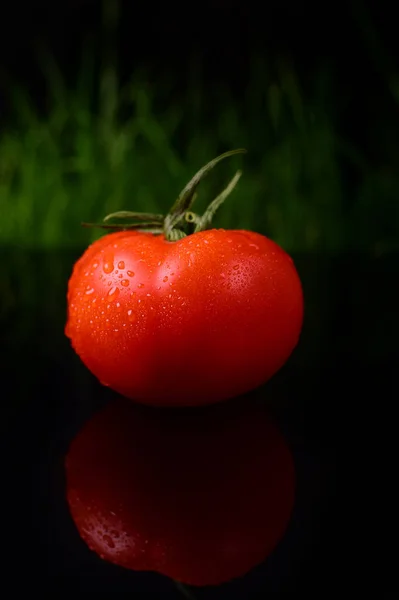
{"x": 131, "y": 316}
{"x": 89, "y": 290}
{"x": 165, "y": 279}
{"x": 108, "y": 267}
{"x": 120, "y": 275}
{"x": 159, "y": 263}
{"x": 109, "y": 283}
{"x": 130, "y": 273}
{"x": 125, "y": 283}
{"x": 113, "y": 293}
{"x": 121, "y": 264}
{"x": 140, "y": 285}
{"x": 236, "y": 267}
{"x": 95, "y": 265}
{"x": 116, "y": 273}
{"x": 118, "y": 305}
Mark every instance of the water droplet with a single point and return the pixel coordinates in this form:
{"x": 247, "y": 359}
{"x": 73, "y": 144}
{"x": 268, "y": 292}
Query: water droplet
{"x": 95, "y": 265}
{"x": 160, "y": 263}
{"x": 172, "y": 273}
{"x": 109, "y": 283}
{"x": 149, "y": 295}
{"x": 108, "y": 267}
{"x": 131, "y": 316}
{"x": 130, "y": 273}
{"x": 159, "y": 287}
{"x": 165, "y": 279}
{"x": 140, "y": 285}
{"x": 87, "y": 273}
{"x": 120, "y": 276}
{"x": 236, "y": 267}
{"x": 121, "y": 264}
{"x": 116, "y": 330}
{"x": 113, "y": 293}
{"x": 116, "y": 273}
{"x": 118, "y": 305}
{"x": 89, "y": 290}
{"x": 222, "y": 275}
{"x": 125, "y": 283}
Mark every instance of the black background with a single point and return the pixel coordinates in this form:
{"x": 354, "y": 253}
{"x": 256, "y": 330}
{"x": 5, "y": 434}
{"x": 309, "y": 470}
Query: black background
{"x": 336, "y": 406}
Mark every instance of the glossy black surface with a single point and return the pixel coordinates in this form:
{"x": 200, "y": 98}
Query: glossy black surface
{"x": 335, "y": 401}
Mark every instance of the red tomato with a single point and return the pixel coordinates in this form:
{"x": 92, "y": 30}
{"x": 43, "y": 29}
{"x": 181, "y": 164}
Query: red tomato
{"x": 201, "y": 498}
{"x": 190, "y": 322}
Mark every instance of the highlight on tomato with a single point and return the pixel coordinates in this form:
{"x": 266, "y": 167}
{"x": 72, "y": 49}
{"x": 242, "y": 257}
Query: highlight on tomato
{"x": 169, "y": 311}
{"x": 200, "y": 498}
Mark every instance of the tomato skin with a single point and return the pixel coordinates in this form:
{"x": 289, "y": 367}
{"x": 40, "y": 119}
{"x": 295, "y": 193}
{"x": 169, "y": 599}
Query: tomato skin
{"x": 196, "y": 321}
{"x": 201, "y": 498}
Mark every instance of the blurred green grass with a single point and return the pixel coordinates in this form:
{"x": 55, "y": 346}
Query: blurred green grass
{"x": 101, "y": 147}
{"x": 137, "y": 149}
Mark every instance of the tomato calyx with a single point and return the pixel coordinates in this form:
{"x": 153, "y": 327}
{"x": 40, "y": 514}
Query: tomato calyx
{"x": 180, "y": 221}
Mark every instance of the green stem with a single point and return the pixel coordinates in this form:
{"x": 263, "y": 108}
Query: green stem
{"x": 147, "y": 227}
{"x": 127, "y": 214}
{"x": 187, "y": 195}
{"x": 205, "y": 221}
{"x": 173, "y": 226}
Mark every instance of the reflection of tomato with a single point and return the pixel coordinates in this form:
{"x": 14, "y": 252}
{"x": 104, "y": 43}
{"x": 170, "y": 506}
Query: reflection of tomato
{"x": 201, "y": 498}
{"x": 195, "y": 321}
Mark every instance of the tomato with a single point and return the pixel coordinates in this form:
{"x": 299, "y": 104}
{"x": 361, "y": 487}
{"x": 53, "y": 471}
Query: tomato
{"x": 199, "y": 320}
{"x": 169, "y": 318}
{"x": 201, "y": 497}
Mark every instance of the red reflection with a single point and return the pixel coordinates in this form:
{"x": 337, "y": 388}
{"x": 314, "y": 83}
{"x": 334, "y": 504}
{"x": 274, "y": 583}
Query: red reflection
{"x": 201, "y": 498}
